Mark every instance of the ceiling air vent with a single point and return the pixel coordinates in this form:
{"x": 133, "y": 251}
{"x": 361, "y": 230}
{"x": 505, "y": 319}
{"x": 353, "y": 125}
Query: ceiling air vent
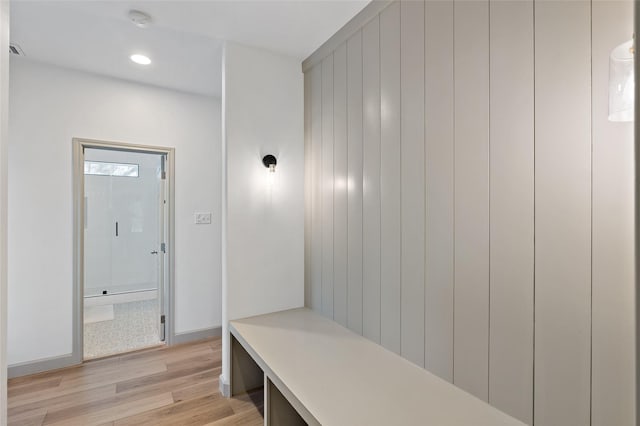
{"x": 16, "y": 50}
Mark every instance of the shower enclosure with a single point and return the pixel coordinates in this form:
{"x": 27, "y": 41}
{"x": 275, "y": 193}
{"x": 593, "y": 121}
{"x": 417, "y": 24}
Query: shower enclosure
{"x": 124, "y": 204}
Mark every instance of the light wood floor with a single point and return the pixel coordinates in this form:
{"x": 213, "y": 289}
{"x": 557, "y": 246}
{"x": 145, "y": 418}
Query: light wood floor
{"x": 165, "y": 386}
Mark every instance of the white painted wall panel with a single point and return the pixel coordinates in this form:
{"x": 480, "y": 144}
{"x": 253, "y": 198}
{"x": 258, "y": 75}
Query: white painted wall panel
{"x": 562, "y": 212}
{"x": 308, "y": 185}
{"x": 412, "y": 180}
{"x": 438, "y": 80}
{"x": 613, "y": 392}
{"x": 511, "y": 208}
{"x": 315, "y": 298}
{"x": 390, "y": 177}
{"x": 471, "y": 334}
{"x": 491, "y": 90}
{"x": 354, "y": 181}
{"x": 371, "y": 181}
{"x": 263, "y": 111}
{"x": 340, "y": 252}
{"x": 327, "y": 186}
{"x": 4, "y": 124}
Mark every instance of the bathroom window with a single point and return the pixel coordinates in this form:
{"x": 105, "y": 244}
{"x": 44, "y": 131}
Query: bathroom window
{"x": 101, "y": 168}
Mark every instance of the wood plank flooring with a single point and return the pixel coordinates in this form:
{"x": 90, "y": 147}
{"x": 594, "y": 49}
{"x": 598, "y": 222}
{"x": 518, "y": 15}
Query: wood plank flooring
{"x": 164, "y": 386}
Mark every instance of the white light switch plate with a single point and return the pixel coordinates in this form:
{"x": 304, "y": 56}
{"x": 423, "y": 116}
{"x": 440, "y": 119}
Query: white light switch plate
{"x": 203, "y": 218}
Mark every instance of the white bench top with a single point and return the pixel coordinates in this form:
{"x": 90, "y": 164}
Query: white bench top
{"x": 342, "y": 378}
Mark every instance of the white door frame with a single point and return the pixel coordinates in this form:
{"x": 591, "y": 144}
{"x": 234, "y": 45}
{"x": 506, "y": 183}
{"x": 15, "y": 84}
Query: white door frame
{"x": 79, "y": 146}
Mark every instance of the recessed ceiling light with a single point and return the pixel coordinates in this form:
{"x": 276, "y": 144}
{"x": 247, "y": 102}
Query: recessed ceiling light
{"x": 140, "y": 59}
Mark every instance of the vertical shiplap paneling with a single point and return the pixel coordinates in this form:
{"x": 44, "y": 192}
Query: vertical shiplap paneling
{"x": 327, "y": 186}
{"x": 354, "y": 181}
{"x": 439, "y": 188}
{"x": 613, "y": 393}
{"x": 371, "y": 181}
{"x": 412, "y": 180}
{"x": 315, "y": 105}
{"x": 511, "y": 208}
{"x": 562, "y": 213}
{"x": 390, "y": 177}
{"x": 471, "y": 319}
{"x": 307, "y": 193}
{"x": 340, "y": 187}
{"x": 482, "y": 183}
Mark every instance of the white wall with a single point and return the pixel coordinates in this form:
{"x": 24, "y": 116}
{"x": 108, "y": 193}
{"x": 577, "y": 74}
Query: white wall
{"x": 50, "y": 106}
{"x": 4, "y": 132}
{"x": 262, "y": 114}
{"x": 487, "y": 196}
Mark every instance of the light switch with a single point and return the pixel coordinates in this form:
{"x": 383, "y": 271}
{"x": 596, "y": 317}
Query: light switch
{"x": 203, "y": 218}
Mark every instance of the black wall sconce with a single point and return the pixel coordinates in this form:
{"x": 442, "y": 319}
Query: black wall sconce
{"x": 270, "y": 162}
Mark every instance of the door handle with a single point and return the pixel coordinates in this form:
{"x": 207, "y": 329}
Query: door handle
{"x": 154, "y": 252}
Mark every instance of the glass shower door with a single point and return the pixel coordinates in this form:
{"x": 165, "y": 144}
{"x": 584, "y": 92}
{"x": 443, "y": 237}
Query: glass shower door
{"x": 124, "y": 196}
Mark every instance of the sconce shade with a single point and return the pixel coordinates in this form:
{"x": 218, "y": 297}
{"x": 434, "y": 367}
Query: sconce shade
{"x": 269, "y": 160}
{"x": 621, "y": 83}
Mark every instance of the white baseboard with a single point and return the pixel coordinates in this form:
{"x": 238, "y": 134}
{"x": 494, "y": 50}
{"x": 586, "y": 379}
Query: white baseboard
{"x": 225, "y": 389}
{"x": 41, "y": 365}
{"x": 54, "y": 363}
{"x": 191, "y": 336}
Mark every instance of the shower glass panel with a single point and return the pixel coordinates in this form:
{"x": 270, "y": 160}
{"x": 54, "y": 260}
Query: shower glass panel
{"x": 123, "y": 254}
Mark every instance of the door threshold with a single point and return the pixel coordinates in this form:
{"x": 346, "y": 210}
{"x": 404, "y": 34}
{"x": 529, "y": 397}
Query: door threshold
{"x": 156, "y": 346}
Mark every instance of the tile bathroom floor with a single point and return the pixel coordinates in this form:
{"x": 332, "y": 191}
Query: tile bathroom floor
{"x": 134, "y": 326}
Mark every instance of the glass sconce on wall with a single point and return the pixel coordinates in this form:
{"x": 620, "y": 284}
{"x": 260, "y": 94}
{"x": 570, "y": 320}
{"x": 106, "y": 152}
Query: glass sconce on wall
{"x": 270, "y": 161}
{"x": 621, "y": 82}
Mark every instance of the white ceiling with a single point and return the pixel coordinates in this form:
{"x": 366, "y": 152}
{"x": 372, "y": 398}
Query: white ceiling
{"x": 184, "y": 41}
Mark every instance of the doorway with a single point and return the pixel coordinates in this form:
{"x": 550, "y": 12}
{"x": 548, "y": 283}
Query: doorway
{"x": 123, "y": 224}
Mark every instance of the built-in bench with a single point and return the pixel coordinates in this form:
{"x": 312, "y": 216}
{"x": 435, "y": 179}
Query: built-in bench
{"x": 316, "y": 372}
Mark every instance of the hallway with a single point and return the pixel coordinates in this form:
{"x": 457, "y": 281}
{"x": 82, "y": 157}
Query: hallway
{"x": 165, "y": 386}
